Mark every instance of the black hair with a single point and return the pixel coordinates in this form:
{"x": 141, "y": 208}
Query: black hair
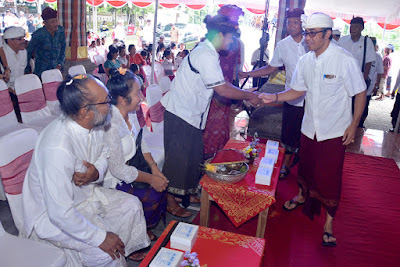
{"x": 160, "y": 46}
{"x": 112, "y": 49}
{"x": 120, "y": 48}
{"x": 73, "y": 94}
{"x": 120, "y": 85}
{"x": 358, "y": 20}
{"x": 130, "y": 47}
{"x": 143, "y": 53}
{"x": 167, "y": 52}
{"x": 134, "y": 68}
{"x": 185, "y": 51}
{"x": 172, "y": 46}
{"x": 327, "y": 29}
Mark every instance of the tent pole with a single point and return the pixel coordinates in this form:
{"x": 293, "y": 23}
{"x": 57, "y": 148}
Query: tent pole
{"x": 384, "y": 31}
{"x": 153, "y": 53}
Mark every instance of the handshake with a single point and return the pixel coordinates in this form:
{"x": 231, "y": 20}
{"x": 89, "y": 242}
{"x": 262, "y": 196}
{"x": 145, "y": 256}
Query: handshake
{"x": 258, "y": 99}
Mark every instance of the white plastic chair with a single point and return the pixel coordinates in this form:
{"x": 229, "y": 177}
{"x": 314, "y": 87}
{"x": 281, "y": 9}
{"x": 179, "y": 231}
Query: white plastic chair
{"x": 155, "y": 138}
{"x": 158, "y": 71}
{"x": 147, "y": 72}
{"x": 16, "y": 151}
{"x": 17, "y": 251}
{"x": 76, "y": 70}
{"x": 32, "y": 103}
{"x": 165, "y": 84}
{"x": 51, "y": 80}
{"x": 7, "y": 114}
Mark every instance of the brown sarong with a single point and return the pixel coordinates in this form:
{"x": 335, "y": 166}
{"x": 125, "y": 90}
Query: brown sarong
{"x": 320, "y": 174}
{"x": 292, "y": 118}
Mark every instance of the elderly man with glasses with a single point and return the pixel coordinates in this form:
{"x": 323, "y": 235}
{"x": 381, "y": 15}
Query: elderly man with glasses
{"x": 329, "y": 77}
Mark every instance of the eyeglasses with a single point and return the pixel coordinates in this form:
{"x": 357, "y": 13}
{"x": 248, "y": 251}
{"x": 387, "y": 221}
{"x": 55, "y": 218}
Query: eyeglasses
{"x": 108, "y": 102}
{"x": 18, "y": 39}
{"x": 312, "y": 34}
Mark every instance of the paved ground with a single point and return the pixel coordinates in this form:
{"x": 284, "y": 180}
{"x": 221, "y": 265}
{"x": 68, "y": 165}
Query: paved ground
{"x": 379, "y": 114}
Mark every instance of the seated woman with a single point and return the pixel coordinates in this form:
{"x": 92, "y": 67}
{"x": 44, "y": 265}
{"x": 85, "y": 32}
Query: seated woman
{"x": 131, "y": 168}
{"x": 122, "y": 57}
{"x": 136, "y": 71}
{"x": 112, "y": 61}
{"x": 168, "y": 64}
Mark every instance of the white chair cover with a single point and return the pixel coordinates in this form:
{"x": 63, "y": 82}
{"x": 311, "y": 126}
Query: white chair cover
{"x": 147, "y": 72}
{"x": 155, "y": 139}
{"x": 16, "y": 151}
{"x": 32, "y": 103}
{"x": 158, "y": 71}
{"x": 51, "y": 80}
{"x": 17, "y": 251}
{"x": 76, "y": 70}
{"x": 165, "y": 84}
{"x": 7, "y": 114}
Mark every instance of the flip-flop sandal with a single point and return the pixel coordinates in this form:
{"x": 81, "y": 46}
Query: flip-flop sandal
{"x": 292, "y": 201}
{"x": 152, "y": 236}
{"x": 329, "y": 243}
{"x": 284, "y": 172}
{"x": 193, "y": 199}
{"x": 179, "y": 212}
{"x": 140, "y": 254}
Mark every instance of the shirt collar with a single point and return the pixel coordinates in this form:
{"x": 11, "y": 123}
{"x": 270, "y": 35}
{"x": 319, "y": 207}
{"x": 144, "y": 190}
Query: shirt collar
{"x": 7, "y": 47}
{"x": 210, "y": 45}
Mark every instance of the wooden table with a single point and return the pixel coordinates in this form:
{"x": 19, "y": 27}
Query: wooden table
{"x": 243, "y": 200}
{"x": 217, "y": 248}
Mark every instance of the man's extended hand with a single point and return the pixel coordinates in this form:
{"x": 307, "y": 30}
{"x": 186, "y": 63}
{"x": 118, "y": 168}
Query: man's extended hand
{"x": 242, "y": 75}
{"x": 91, "y": 175}
{"x": 349, "y": 134}
{"x": 113, "y": 246}
{"x": 267, "y": 98}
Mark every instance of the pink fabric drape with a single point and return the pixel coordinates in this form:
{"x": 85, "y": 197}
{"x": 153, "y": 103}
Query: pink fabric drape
{"x": 50, "y": 90}
{"x": 13, "y": 174}
{"x": 32, "y": 100}
{"x": 155, "y": 114}
{"x": 6, "y": 105}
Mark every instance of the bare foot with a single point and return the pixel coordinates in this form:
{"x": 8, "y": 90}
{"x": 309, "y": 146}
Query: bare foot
{"x": 292, "y": 204}
{"x": 151, "y": 235}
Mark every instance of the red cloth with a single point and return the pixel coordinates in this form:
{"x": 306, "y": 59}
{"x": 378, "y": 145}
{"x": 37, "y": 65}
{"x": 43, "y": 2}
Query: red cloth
{"x": 50, "y": 90}
{"x": 233, "y": 250}
{"x": 6, "y": 105}
{"x": 243, "y": 200}
{"x": 32, "y": 100}
{"x": 320, "y": 174}
{"x": 13, "y": 174}
{"x": 155, "y": 114}
{"x": 136, "y": 59}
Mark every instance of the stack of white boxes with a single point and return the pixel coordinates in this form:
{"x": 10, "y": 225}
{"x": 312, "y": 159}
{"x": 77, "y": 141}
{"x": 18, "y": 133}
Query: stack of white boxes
{"x": 183, "y": 238}
{"x": 266, "y": 167}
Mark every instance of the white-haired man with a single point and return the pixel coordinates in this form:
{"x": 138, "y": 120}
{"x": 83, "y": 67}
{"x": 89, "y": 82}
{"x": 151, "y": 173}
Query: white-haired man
{"x": 330, "y": 76}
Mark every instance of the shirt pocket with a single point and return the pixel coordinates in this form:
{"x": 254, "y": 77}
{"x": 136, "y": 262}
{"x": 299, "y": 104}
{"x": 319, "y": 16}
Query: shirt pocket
{"x": 330, "y": 86}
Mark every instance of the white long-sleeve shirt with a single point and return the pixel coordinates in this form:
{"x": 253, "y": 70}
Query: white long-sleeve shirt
{"x": 49, "y": 194}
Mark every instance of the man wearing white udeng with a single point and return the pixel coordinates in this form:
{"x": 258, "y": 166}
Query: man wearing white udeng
{"x": 330, "y": 76}
{"x": 62, "y": 201}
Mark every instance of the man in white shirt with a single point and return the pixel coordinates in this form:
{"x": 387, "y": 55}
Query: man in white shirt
{"x": 287, "y": 53}
{"x": 330, "y": 77}
{"x": 187, "y": 105}
{"x": 14, "y": 56}
{"x": 63, "y": 203}
{"x": 335, "y": 37}
{"x": 354, "y": 43}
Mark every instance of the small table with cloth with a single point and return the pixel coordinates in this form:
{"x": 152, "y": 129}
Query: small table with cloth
{"x": 233, "y": 249}
{"x": 243, "y": 200}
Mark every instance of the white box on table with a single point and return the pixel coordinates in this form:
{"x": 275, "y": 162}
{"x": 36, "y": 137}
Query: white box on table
{"x": 267, "y": 162}
{"x": 263, "y": 175}
{"x": 167, "y": 258}
{"x": 272, "y": 144}
{"x": 272, "y": 154}
{"x": 184, "y": 236}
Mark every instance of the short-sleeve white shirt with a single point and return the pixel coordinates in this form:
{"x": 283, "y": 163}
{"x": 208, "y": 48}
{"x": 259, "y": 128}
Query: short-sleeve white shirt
{"x": 357, "y": 49}
{"x": 190, "y": 94}
{"x": 288, "y": 52}
{"x": 330, "y": 80}
{"x": 376, "y": 68}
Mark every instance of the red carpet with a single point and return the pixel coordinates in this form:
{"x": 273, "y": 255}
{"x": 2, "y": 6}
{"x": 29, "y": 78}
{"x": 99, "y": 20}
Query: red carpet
{"x": 367, "y": 224}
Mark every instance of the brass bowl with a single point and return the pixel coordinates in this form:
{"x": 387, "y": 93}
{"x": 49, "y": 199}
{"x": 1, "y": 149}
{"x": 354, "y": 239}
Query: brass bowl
{"x": 226, "y": 178}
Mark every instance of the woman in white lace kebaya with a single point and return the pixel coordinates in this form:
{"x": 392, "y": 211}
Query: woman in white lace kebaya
{"x": 131, "y": 168}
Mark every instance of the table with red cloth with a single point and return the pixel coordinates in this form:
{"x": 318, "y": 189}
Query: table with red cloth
{"x": 243, "y": 200}
{"x": 218, "y": 248}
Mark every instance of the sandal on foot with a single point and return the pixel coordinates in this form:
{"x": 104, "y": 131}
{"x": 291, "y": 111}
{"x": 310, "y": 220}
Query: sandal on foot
{"x": 328, "y": 243}
{"x": 284, "y": 172}
{"x": 151, "y": 235}
{"x": 179, "y": 212}
{"x": 193, "y": 199}
{"x": 140, "y": 254}
{"x": 292, "y": 201}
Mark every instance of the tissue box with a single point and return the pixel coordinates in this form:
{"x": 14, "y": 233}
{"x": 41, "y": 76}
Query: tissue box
{"x": 267, "y": 162}
{"x": 167, "y": 258}
{"x": 272, "y": 144}
{"x": 184, "y": 236}
{"x": 263, "y": 176}
{"x": 272, "y": 154}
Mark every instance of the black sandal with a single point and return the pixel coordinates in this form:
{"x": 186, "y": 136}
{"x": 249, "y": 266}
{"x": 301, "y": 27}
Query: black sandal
{"x": 329, "y": 243}
{"x": 292, "y": 201}
{"x": 285, "y": 171}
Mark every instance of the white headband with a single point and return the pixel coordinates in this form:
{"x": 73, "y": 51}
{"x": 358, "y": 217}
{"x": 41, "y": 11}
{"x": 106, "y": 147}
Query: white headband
{"x": 317, "y": 20}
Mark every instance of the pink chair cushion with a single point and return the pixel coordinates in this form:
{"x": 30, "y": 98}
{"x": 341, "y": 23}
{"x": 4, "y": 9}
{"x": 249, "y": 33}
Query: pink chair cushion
{"x": 13, "y": 174}
{"x": 32, "y": 100}
{"x": 50, "y": 90}
{"x": 6, "y": 105}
